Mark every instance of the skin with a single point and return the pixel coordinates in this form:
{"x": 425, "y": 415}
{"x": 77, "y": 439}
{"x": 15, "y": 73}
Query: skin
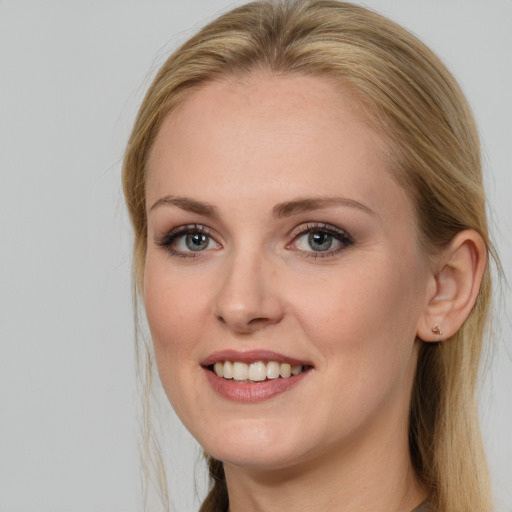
{"x": 338, "y": 439}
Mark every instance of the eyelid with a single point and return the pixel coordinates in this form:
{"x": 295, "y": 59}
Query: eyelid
{"x": 340, "y": 234}
{"x": 167, "y": 239}
{"x": 320, "y": 226}
{"x": 168, "y": 236}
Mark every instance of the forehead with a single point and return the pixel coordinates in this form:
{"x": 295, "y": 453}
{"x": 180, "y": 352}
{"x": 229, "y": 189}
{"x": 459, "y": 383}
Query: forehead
{"x": 301, "y": 132}
{"x": 281, "y": 101}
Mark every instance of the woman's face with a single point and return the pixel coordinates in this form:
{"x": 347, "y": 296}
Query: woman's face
{"x": 279, "y": 241}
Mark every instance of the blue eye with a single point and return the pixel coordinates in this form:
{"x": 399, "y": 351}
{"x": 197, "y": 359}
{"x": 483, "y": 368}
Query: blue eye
{"x": 321, "y": 238}
{"x": 320, "y": 241}
{"x": 186, "y": 240}
{"x": 195, "y": 241}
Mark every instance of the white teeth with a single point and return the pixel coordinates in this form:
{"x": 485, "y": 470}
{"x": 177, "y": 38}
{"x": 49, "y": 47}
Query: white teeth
{"x": 285, "y": 370}
{"x": 257, "y": 371}
{"x": 228, "y": 370}
{"x": 272, "y": 370}
{"x": 218, "y": 368}
{"x": 240, "y": 371}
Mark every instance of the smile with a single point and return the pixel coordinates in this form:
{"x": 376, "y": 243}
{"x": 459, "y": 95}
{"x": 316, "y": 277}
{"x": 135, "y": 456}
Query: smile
{"x": 253, "y": 376}
{"x": 258, "y": 371}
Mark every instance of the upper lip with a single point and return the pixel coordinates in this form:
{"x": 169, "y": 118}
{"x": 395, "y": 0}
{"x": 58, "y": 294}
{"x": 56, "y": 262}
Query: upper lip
{"x": 251, "y": 356}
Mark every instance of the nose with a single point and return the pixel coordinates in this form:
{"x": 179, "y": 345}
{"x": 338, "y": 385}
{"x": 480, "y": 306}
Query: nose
{"x": 248, "y": 298}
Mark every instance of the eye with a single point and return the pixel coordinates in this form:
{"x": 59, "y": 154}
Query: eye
{"x": 186, "y": 240}
{"x": 316, "y": 239}
{"x": 192, "y": 242}
{"x": 320, "y": 240}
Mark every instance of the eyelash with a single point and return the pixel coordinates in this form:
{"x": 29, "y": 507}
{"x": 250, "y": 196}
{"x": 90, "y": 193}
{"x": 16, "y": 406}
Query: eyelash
{"x": 168, "y": 239}
{"x": 342, "y": 236}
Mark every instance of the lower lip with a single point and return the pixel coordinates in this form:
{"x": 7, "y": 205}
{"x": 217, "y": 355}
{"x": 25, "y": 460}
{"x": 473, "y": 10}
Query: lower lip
{"x": 252, "y": 392}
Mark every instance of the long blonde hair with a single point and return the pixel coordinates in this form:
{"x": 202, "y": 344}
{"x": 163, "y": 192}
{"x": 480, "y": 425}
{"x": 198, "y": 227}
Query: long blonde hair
{"x": 434, "y": 148}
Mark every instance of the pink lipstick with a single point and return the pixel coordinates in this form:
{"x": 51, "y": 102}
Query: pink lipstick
{"x": 253, "y": 376}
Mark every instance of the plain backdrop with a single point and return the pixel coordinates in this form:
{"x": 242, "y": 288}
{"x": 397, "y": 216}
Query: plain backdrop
{"x": 72, "y": 73}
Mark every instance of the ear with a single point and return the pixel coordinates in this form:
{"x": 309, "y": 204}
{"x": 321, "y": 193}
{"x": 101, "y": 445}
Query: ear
{"x": 455, "y": 284}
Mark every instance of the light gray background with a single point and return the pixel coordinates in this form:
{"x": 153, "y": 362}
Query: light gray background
{"x": 72, "y": 74}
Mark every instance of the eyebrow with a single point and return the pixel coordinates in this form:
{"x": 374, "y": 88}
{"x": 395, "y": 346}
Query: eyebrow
{"x": 187, "y": 204}
{"x": 296, "y": 206}
{"x": 286, "y": 209}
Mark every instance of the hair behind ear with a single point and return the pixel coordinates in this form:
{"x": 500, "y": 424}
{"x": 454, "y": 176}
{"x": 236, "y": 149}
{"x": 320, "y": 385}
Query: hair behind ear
{"x": 444, "y": 432}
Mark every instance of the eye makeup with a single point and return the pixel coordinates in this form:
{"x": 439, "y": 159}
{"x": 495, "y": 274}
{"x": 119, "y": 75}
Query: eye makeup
{"x": 319, "y": 240}
{"x": 187, "y": 241}
{"x": 309, "y": 240}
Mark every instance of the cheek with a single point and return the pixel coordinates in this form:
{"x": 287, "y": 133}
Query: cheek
{"x": 174, "y": 311}
{"x": 365, "y": 329}
{"x": 362, "y": 318}
{"x": 173, "y": 306}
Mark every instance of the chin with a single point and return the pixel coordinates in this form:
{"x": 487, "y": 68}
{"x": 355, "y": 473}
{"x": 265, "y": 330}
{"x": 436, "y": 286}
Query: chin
{"x": 262, "y": 459}
{"x": 257, "y": 448}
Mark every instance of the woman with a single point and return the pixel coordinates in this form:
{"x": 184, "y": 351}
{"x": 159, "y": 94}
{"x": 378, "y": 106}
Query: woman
{"x": 311, "y": 247}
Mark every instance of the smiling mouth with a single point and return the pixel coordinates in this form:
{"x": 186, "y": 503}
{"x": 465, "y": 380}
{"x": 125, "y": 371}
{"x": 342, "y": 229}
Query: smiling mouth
{"x": 258, "y": 371}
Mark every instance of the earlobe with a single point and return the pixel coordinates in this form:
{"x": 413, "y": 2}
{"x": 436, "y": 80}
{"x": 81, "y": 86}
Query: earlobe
{"x": 457, "y": 279}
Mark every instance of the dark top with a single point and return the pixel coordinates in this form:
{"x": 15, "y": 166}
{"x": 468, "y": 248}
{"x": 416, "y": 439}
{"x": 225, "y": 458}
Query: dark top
{"x": 423, "y": 507}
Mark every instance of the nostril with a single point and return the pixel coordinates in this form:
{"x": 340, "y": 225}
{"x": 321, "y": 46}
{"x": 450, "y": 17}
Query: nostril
{"x": 245, "y": 323}
{"x": 259, "y": 321}
{"x": 220, "y": 318}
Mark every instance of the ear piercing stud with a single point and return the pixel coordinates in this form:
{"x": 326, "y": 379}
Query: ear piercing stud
{"x": 437, "y": 330}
